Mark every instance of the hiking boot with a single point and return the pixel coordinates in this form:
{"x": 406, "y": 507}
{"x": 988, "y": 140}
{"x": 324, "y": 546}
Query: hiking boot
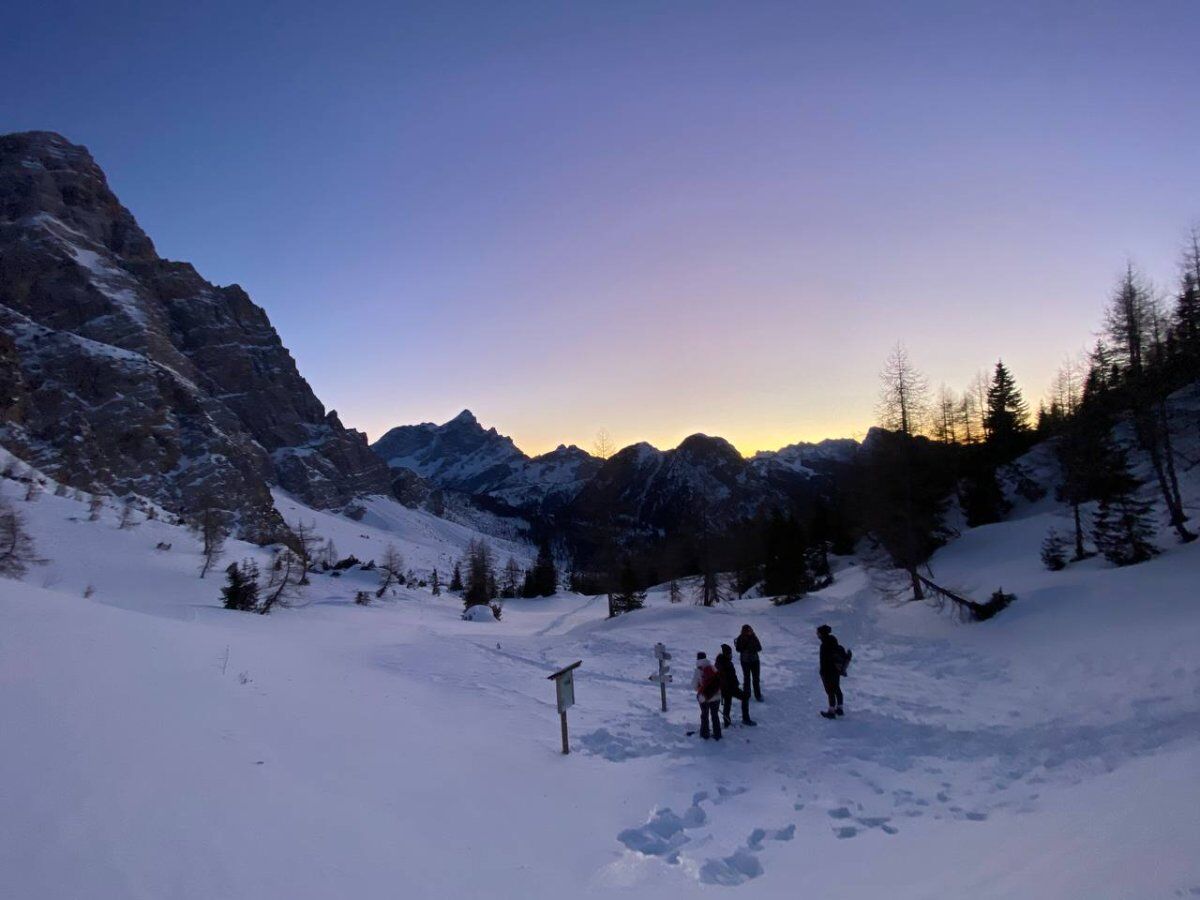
{"x": 828, "y": 714}
{"x": 839, "y": 711}
{"x": 748, "y": 722}
{"x": 728, "y": 723}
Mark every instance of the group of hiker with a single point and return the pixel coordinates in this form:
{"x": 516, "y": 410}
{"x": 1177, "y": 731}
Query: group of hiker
{"x": 717, "y": 685}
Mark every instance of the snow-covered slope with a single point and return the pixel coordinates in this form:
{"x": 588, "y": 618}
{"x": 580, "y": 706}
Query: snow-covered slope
{"x": 337, "y": 750}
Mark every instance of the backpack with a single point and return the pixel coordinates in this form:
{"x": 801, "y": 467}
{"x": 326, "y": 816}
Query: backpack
{"x": 710, "y": 683}
{"x": 844, "y": 658}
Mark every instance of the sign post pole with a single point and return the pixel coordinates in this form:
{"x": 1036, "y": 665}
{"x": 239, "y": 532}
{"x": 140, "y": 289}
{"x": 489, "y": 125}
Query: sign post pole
{"x": 664, "y": 672}
{"x": 564, "y": 691}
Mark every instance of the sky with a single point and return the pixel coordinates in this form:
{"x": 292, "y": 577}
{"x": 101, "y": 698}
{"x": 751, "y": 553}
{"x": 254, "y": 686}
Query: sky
{"x": 651, "y": 218}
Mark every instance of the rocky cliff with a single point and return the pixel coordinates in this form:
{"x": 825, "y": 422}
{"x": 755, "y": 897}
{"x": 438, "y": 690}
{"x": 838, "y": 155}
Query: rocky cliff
{"x": 125, "y": 372}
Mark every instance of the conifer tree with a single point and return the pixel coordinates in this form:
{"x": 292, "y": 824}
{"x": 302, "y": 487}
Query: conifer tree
{"x": 784, "y": 572}
{"x": 674, "y": 594}
{"x": 241, "y": 586}
{"x": 1185, "y": 318}
{"x": 1007, "y": 417}
{"x": 1128, "y": 318}
{"x": 303, "y": 540}
{"x": 391, "y": 569}
{"x": 16, "y": 546}
{"x": 456, "y": 582}
{"x": 544, "y": 575}
{"x": 1054, "y": 551}
{"x": 212, "y": 526}
{"x": 511, "y": 580}
{"x": 1123, "y": 529}
{"x": 628, "y": 596}
{"x": 435, "y": 584}
{"x": 904, "y": 394}
{"x": 480, "y": 580}
{"x": 284, "y": 579}
{"x": 903, "y": 484}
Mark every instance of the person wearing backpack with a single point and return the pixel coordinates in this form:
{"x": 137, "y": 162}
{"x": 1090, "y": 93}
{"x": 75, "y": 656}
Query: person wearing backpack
{"x": 834, "y": 660}
{"x": 730, "y": 688}
{"x": 706, "y": 682}
{"x": 748, "y": 648}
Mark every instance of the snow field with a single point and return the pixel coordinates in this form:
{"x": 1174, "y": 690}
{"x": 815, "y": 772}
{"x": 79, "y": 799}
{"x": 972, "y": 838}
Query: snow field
{"x": 156, "y": 745}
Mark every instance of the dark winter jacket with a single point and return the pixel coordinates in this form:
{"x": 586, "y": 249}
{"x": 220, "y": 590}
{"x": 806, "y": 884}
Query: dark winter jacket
{"x": 832, "y": 656}
{"x": 730, "y": 686}
{"x": 748, "y": 647}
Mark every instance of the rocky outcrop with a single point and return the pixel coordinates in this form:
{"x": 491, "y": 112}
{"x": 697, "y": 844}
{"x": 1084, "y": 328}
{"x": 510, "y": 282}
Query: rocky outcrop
{"x": 125, "y": 372}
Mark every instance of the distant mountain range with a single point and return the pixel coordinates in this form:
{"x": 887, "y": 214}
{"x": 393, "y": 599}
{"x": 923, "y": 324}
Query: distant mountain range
{"x": 641, "y": 489}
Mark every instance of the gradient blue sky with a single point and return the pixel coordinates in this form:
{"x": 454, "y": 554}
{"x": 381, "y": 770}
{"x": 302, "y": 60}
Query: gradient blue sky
{"x": 655, "y": 218}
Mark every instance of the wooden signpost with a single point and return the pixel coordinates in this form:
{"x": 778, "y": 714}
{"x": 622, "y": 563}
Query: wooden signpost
{"x": 664, "y": 672}
{"x": 564, "y": 688}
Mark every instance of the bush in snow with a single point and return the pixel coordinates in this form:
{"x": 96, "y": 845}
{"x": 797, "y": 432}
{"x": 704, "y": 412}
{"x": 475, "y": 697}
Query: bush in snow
{"x": 362, "y": 598}
{"x": 1054, "y": 551}
{"x": 999, "y": 601}
{"x": 496, "y": 609}
{"x": 16, "y": 546}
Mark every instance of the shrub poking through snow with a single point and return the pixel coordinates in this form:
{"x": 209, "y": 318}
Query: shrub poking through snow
{"x": 362, "y": 598}
{"x": 1054, "y": 551}
{"x": 999, "y": 600}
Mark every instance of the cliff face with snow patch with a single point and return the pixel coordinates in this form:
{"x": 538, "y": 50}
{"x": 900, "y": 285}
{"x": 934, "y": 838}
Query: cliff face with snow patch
{"x": 123, "y": 371}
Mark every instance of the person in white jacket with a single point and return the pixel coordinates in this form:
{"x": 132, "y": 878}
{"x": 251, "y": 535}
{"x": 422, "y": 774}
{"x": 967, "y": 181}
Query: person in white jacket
{"x": 706, "y": 682}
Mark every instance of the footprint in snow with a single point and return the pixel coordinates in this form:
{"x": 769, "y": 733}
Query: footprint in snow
{"x": 880, "y": 822}
{"x": 663, "y": 834}
{"x": 737, "y": 868}
{"x": 758, "y": 835}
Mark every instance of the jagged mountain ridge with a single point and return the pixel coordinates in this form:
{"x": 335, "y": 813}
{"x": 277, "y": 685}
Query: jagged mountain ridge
{"x": 127, "y": 372}
{"x": 639, "y": 489}
{"x": 462, "y": 456}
